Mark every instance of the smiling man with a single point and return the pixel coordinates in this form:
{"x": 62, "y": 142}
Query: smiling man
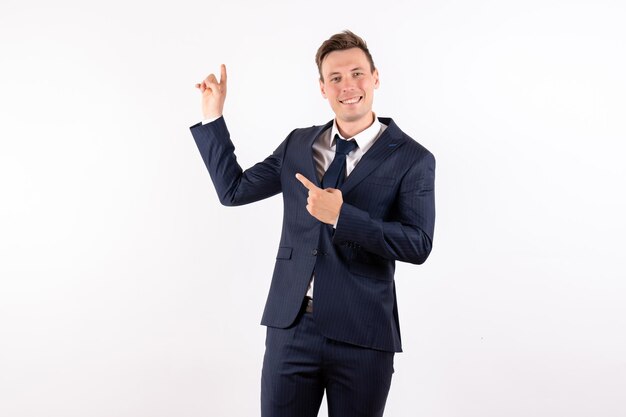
{"x": 349, "y": 88}
{"x": 358, "y": 195}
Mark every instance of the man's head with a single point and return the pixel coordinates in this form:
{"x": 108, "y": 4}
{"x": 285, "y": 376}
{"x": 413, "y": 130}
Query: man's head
{"x": 340, "y": 42}
{"x": 348, "y": 79}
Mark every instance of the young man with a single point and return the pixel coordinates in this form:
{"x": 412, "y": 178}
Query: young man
{"x": 358, "y": 195}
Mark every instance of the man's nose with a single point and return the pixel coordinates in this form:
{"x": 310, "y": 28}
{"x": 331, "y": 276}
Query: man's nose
{"x": 347, "y": 84}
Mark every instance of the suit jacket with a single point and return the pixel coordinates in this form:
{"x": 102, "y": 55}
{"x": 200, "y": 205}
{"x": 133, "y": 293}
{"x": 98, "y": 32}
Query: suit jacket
{"x": 388, "y": 214}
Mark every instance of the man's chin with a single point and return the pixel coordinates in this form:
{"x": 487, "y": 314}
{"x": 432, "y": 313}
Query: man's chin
{"x": 352, "y": 117}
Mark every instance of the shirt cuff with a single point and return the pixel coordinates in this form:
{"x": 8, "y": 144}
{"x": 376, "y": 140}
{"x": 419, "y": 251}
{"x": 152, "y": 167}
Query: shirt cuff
{"x": 207, "y": 121}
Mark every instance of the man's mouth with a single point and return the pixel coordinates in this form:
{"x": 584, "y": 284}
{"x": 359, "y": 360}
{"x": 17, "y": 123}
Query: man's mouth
{"x": 351, "y": 100}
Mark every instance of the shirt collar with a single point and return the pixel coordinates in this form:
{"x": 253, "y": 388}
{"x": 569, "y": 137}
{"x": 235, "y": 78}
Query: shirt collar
{"x": 363, "y": 139}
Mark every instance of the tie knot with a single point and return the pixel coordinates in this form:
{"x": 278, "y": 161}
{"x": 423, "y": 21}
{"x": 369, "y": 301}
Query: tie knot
{"x": 344, "y": 146}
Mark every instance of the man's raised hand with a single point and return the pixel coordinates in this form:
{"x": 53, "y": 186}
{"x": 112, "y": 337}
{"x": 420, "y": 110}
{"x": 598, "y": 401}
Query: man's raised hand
{"x": 213, "y": 94}
{"x": 324, "y": 205}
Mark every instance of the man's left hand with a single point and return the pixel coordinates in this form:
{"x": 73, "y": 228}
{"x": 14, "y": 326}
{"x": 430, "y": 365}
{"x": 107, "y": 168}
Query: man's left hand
{"x": 325, "y": 204}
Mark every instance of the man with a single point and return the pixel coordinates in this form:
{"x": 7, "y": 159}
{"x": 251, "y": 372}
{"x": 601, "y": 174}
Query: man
{"x": 358, "y": 195}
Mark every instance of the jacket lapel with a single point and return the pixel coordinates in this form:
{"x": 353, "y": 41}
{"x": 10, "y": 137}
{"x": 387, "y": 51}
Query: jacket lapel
{"x": 391, "y": 140}
{"x": 311, "y": 168}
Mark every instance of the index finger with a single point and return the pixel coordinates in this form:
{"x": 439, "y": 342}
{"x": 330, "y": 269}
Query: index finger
{"x": 223, "y": 76}
{"x": 305, "y": 181}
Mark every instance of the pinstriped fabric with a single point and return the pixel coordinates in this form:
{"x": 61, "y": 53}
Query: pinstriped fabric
{"x": 300, "y": 364}
{"x": 388, "y": 214}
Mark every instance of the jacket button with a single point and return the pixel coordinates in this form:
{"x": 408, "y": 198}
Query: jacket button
{"x": 314, "y": 252}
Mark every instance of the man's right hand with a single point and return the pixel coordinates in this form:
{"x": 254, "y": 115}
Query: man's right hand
{"x": 213, "y": 94}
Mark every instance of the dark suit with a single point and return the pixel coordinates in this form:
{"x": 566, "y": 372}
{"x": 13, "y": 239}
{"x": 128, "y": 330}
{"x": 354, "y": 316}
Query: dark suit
{"x": 388, "y": 214}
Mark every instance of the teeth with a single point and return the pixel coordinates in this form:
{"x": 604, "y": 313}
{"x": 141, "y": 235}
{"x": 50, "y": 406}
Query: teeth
{"x": 352, "y": 100}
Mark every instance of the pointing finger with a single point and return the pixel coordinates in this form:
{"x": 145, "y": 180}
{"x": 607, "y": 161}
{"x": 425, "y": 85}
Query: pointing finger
{"x": 223, "y": 77}
{"x": 308, "y": 184}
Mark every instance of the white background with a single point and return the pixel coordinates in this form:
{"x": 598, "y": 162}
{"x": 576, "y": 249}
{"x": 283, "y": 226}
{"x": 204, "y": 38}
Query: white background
{"x": 126, "y": 289}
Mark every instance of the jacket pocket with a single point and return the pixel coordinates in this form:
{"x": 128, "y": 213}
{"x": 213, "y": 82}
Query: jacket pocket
{"x": 284, "y": 252}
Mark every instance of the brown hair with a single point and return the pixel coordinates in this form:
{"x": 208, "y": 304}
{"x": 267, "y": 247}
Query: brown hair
{"x": 339, "y": 42}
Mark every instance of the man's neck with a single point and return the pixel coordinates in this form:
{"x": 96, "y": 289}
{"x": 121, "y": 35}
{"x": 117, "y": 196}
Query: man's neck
{"x": 351, "y": 129}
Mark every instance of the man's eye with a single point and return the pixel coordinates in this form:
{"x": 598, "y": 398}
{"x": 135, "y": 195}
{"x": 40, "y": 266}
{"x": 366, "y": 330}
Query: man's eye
{"x": 358, "y": 74}
{"x": 334, "y": 79}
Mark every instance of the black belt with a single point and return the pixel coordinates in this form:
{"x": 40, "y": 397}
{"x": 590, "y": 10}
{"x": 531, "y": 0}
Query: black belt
{"x": 308, "y": 303}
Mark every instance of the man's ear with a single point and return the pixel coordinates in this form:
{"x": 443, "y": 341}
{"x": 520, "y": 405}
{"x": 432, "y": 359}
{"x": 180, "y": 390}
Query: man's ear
{"x": 322, "y": 89}
{"x": 376, "y": 79}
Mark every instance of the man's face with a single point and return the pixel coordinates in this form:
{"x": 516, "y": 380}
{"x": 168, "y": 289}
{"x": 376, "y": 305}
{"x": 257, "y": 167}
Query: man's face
{"x": 349, "y": 85}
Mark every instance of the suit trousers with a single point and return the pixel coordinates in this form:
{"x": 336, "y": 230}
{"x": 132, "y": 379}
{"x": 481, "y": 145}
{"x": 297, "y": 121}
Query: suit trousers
{"x": 300, "y": 364}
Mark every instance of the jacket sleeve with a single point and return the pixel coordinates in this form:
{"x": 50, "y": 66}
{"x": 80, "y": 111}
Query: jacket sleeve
{"x": 233, "y": 185}
{"x": 408, "y": 234}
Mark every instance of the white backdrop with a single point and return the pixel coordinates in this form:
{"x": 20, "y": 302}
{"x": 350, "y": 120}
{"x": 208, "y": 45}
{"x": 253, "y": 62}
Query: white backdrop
{"x": 126, "y": 289}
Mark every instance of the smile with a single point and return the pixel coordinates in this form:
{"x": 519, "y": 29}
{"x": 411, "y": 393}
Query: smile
{"x": 351, "y": 100}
